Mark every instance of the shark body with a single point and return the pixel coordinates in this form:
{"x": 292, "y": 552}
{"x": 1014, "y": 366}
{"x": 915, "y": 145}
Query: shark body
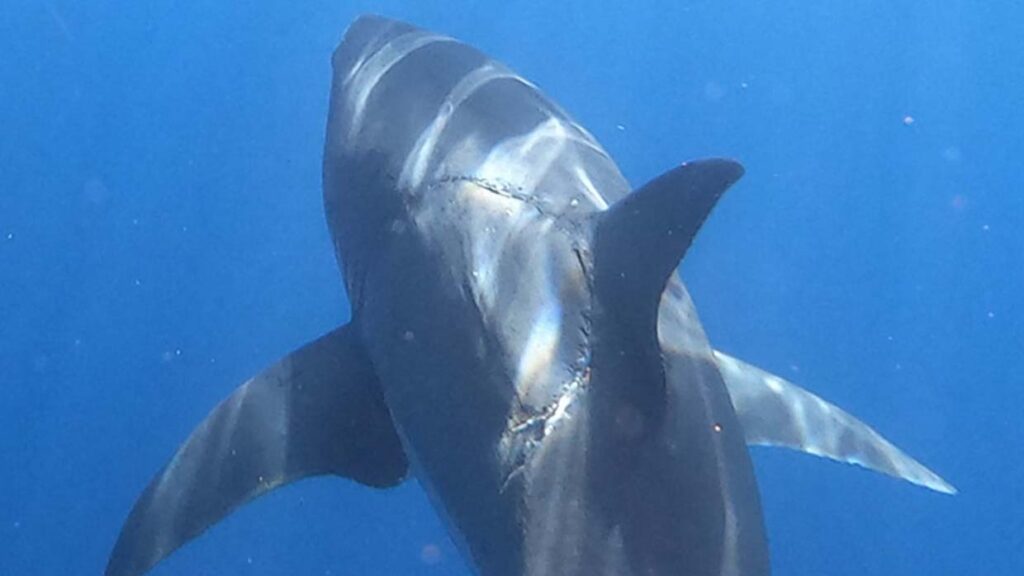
{"x": 520, "y": 344}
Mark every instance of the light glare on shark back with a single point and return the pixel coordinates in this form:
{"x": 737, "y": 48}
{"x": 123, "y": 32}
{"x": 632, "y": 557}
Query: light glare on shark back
{"x": 520, "y": 344}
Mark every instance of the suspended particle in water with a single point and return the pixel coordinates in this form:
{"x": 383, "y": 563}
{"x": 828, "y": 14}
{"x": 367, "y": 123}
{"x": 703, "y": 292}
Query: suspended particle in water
{"x": 952, "y": 154}
{"x": 958, "y": 202}
{"x": 430, "y": 554}
{"x": 713, "y": 91}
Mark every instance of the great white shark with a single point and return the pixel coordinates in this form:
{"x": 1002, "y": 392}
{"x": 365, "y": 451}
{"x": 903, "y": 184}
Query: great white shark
{"x": 520, "y": 343}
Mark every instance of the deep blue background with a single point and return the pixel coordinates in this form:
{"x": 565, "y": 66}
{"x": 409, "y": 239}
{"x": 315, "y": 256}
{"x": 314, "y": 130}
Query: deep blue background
{"x": 161, "y": 240}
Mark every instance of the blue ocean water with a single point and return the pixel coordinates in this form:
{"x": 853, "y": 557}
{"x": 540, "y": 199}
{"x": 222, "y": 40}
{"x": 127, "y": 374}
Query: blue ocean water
{"x": 162, "y": 239}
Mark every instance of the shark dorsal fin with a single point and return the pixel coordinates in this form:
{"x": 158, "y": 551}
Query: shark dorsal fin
{"x": 640, "y": 240}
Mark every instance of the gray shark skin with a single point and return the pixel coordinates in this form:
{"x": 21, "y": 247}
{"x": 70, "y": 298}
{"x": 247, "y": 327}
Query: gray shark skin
{"x": 520, "y": 343}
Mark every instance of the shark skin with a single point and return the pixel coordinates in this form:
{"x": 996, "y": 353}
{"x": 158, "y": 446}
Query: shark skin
{"x": 520, "y": 344}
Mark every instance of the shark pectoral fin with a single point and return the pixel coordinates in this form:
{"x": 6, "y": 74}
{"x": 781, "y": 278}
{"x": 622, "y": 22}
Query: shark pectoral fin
{"x": 317, "y": 411}
{"x": 640, "y": 240}
{"x": 774, "y": 412}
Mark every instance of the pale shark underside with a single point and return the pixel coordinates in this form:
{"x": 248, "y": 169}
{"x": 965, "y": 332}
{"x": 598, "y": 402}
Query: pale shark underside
{"x": 519, "y": 342}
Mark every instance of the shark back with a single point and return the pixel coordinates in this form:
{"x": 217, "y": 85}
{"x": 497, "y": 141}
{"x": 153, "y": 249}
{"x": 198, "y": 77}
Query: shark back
{"x": 471, "y": 214}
